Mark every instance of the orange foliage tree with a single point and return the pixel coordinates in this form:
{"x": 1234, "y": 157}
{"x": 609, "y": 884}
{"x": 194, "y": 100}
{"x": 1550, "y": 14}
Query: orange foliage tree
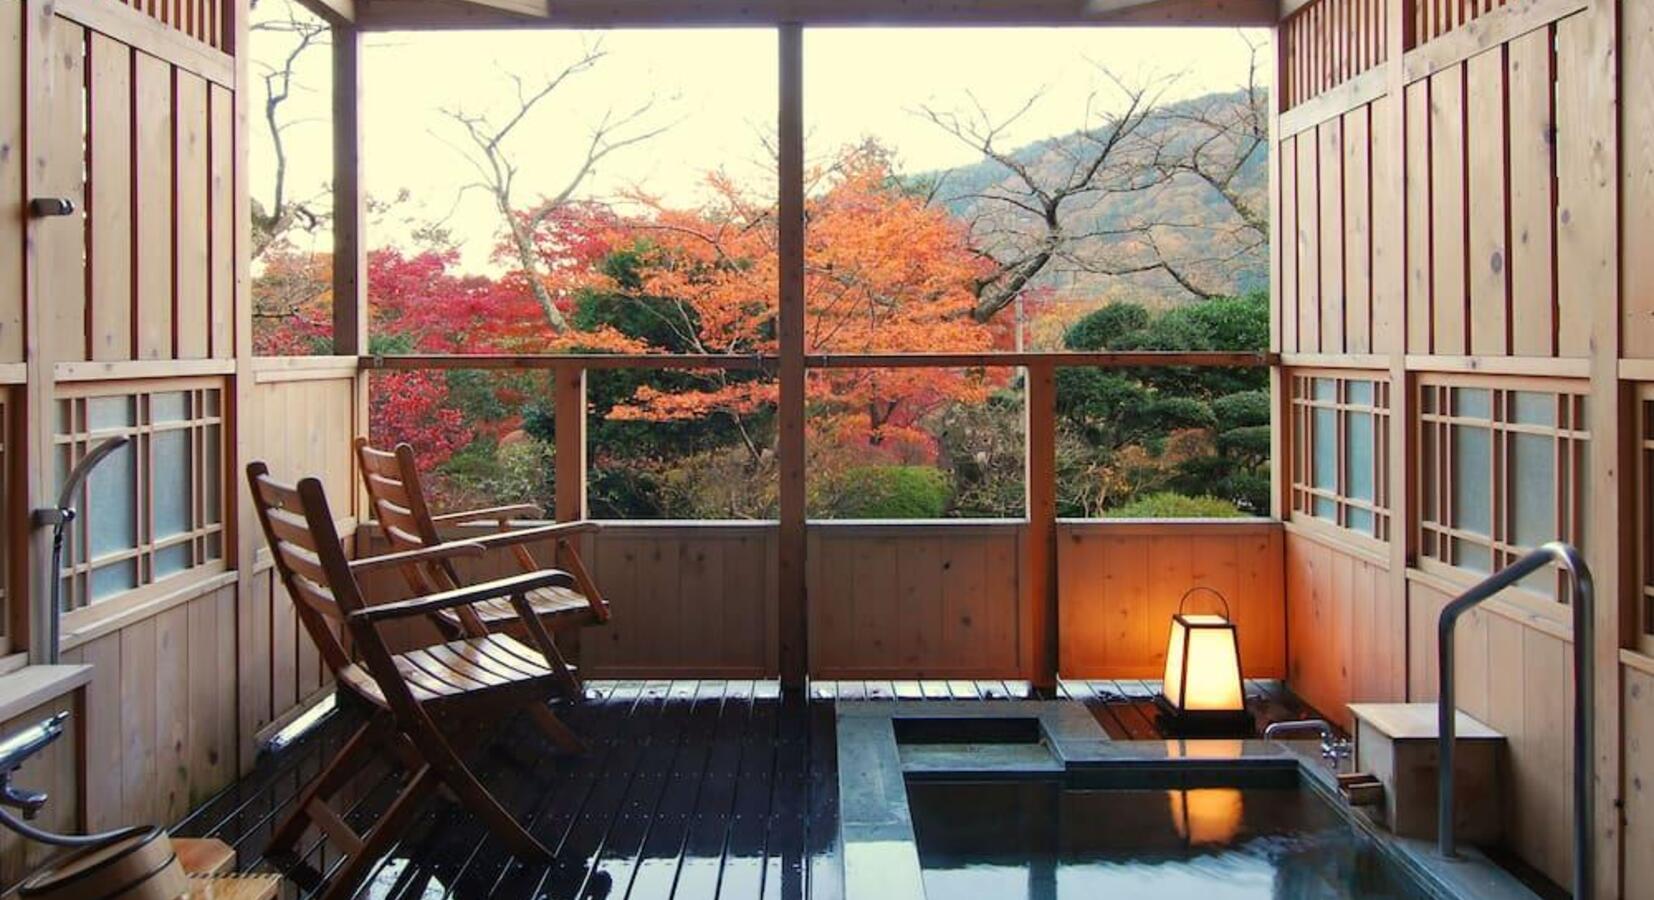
{"x": 886, "y": 270}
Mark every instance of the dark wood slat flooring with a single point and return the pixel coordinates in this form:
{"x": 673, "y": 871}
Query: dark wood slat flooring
{"x": 692, "y": 790}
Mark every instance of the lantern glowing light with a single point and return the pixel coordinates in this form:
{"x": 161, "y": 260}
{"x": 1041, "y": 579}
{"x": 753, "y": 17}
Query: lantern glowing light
{"x": 1203, "y": 683}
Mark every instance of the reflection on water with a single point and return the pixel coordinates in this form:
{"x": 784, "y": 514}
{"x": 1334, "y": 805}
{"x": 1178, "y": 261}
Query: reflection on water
{"x": 1207, "y": 815}
{"x": 1041, "y": 840}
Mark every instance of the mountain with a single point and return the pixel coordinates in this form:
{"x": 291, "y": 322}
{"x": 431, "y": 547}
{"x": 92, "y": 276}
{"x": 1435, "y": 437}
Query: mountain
{"x": 1207, "y": 225}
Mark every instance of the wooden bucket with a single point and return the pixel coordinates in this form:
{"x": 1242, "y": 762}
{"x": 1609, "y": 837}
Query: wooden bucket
{"x": 137, "y": 864}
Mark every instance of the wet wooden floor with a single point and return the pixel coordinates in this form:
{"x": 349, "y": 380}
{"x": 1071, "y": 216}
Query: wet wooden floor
{"x": 692, "y": 790}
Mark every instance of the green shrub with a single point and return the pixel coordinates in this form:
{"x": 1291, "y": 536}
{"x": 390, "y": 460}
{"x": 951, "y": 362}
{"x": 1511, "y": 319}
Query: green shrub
{"x": 891, "y": 492}
{"x": 1168, "y": 505}
{"x": 1241, "y": 410}
{"x": 1104, "y": 328}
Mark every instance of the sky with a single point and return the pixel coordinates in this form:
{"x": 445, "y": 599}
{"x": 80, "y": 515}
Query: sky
{"x": 714, "y": 93}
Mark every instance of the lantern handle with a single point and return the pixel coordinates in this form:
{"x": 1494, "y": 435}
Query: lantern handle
{"x": 1201, "y": 587}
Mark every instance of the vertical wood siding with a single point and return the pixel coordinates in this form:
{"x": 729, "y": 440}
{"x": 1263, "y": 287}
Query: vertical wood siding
{"x": 915, "y": 601}
{"x": 1119, "y": 583}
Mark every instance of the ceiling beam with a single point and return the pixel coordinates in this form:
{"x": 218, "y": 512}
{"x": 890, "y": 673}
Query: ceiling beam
{"x": 465, "y": 14}
{"x": 334, "y": 12}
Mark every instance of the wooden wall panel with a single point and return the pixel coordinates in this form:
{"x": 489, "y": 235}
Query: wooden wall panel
{"x": 161, "y": 713}
{"x": 1309, "y": 244}
{"x": 1119, "y": 583}
{"x": 1639, "y": 773}
{"x": 1532, "y": 195}
{"x": 1515, "y": 678}
{"x": 1418, "y": 217}
{"x": 1345, "y": 629}
{"x": 109, "y": 161}
{"x": 686, "y": 600}
{"x": 1287, "y": 240}
{"x": 914, "y": 601}
{"x": 1448, "y": 224}
{"x": 152, "y": 165}
{"x": 1358, "y": 231}
{"x": 1485, "y": 134}
{"x": 191, "y": 220}
{"x": 11, "y": 182}
{"x": 221, "y": 212}
{"x": 1330, "y": 218}
{"x": 1586, "y": 223}
{"x": 1636, "y": 173}
{"x": 63, "y": 258}
{"x": 1389, "y": 313}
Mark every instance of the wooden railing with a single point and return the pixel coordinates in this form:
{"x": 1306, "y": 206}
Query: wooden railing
{"x": 1012, "y": 616}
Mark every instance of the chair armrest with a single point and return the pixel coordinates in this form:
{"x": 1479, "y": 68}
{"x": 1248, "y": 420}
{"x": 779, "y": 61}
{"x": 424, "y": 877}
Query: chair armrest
{"x": 529, "y": 535}
{"x": 424, "y": 554}
{"x": 494, "y": 514}
{"x": 515, "y": 586}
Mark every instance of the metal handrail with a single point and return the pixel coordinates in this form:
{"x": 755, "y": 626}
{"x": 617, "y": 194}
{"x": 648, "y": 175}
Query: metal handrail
{"x": 1584, "y": 600}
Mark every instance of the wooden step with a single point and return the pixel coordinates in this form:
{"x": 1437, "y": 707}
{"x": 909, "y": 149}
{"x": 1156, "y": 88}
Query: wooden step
{"x": 204, "y": 856}
{"x": 234, "y": 887}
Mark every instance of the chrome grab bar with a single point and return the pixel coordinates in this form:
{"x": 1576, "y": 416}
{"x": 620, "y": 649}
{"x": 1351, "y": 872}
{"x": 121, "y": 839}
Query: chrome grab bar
{"x": 1584, "y": 601}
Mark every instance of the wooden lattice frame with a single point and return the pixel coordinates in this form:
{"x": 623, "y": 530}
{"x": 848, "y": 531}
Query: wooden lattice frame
{"x": 1304, "y": 405}
{"x": 1645, "y": 517}
{"x": 1569, "y": 436}
{"x": 204, "y": 398}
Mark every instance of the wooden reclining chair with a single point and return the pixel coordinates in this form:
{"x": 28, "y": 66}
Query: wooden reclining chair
{"x": 398, "y": 502}
{"x": 426, "y": 706}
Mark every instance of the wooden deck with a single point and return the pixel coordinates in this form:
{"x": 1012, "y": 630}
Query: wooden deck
{"x": 691, "y": 789}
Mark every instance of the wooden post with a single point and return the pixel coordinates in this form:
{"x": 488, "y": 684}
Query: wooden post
{"x": 792, "y": 616}
{"x": 1039, "y": 546}
{"x": 350, "y": 259}
{"x": 569, "y": 416}
{"x": 350, "y": 255}
{"x": 252, "y": 648}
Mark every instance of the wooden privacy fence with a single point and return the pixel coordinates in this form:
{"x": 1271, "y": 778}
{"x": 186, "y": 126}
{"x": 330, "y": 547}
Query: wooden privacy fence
{"x": 891, "y": 599}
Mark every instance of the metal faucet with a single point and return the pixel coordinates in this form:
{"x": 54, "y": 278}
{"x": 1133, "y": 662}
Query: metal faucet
{"x": 1334, "y": 749}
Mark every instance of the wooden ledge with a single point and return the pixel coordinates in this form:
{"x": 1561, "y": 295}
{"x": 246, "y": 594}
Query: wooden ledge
{"x": 33, "y": 686}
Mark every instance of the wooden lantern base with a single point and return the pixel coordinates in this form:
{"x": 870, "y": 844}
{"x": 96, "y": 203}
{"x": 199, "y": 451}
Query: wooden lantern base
{"x": 1203, "y": 723}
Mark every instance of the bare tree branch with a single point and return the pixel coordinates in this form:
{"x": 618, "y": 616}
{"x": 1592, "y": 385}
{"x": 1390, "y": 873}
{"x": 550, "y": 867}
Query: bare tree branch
{"x": 484, "y": 145}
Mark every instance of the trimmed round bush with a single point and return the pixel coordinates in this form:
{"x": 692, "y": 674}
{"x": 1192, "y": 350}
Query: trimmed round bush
{"x": 891, "y": 492}
{"x": 1168, "y": 505}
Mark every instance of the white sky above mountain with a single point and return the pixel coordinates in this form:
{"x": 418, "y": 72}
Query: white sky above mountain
{"x": 716, "y": 89}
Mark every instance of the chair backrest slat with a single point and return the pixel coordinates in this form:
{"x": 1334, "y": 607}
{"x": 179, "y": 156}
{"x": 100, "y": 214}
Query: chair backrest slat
{"x": 311, "y": 560}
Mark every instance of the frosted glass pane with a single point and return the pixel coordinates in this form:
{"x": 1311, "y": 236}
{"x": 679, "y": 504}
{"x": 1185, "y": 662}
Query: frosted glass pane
{"x": 1359, "y": 393}
{"x": 1325, "y": 509}
{"x": 212, "y": 475}
{"x": 1472, "y": 461}
{"x": 1530, "y": 408}
{"x": 1533, "y": 490}
{"x": 1361, "y": 520}
{"x": 171, "y": 560}
{"x": 171, "y": 460}
{"x": 211, "y": 404}
{"x": 65, "y": 411}
{"x": 169, "y": 406}
{"x": 111, "y": 499}
{"x": 106, "y": 581}
{"x": 1326, "y": 389}
{"x": 1326, "y": 450}
{"x": 110, "y": 412}
{"x": 1358, "y": 456}
{"x": 1427, "y": 471}
{"x": 1473, "y": 402}
{"x": 1472, "y": 556}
